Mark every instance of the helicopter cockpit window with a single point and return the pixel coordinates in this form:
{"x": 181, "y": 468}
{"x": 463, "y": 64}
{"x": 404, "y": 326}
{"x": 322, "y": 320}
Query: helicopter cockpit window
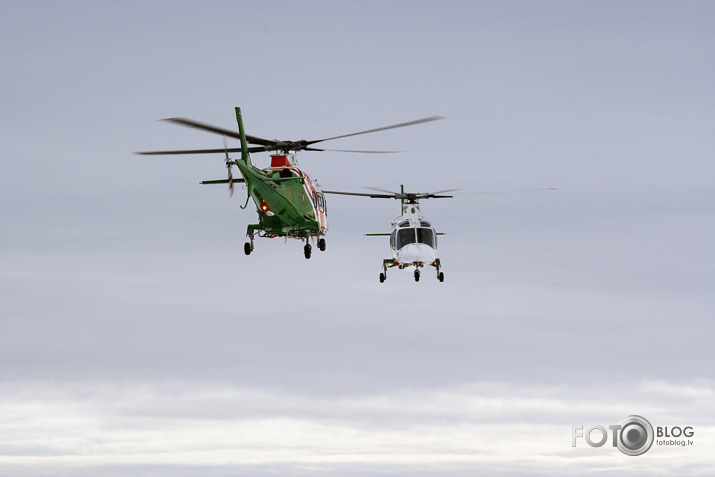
{"x": 425, "y": 236}
{"x": 405, "y": 237}
{"x": 424, "y": 223}
{"x": 406, "y": 223}
{"x": 320, "y": 199}
{"x": 414, "y": 235}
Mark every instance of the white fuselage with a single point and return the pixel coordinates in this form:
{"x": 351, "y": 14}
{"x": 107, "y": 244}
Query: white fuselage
{"x": 413, "y": 241}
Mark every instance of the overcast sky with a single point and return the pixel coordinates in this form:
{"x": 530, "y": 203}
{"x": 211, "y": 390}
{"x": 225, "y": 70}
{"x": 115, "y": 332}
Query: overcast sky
{"x": 138, "y": 339}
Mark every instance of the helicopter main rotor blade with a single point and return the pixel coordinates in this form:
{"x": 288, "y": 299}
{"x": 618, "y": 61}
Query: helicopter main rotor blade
{"x": 397, "y": 195}
{"x": 275, "y": 144}
{"x": 445, "y": 190}
{"x": 382, "y": 190}
{"x": 434, "y": 196}
{"x": 216, "y": 130}
{"x": 418, "y": 194}
{"x": 200, "y": 151}
{"x": 250, "y": 149}
{"x": 360, "y": 194}
{"x": 350, "y": 150}
{"x": 409, "y": 123}
{"x": 421, "y": 195}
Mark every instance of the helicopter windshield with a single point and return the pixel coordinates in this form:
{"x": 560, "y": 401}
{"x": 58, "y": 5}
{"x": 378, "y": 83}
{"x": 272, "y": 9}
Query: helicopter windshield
{"x": 425, "y": 236}
{"x": 413, "y": 235}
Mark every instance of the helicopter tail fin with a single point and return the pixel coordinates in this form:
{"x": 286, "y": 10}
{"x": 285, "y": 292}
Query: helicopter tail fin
{"x": 245, "y": 158}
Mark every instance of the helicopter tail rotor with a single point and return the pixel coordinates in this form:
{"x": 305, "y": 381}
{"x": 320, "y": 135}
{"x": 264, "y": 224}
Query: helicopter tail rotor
{"x": 229, "y": 165}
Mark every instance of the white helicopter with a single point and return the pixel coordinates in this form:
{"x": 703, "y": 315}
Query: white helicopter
{"x": 413, "y": 240}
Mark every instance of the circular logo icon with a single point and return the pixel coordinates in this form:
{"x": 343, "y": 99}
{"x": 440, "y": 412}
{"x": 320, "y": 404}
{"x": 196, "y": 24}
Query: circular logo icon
{"x": 635, "y": 436}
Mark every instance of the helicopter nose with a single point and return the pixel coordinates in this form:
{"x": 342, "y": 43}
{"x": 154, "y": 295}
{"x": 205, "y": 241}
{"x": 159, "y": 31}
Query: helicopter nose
{"x": 417, "y": 252}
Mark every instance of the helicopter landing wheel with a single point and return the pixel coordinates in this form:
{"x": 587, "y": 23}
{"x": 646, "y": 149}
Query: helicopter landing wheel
{"x": 383, "y": 277}
{"x": 306, "y": 250}
{"x": 321, "y": 244}
{"x": 247, "y": 248}
{"x": 417, "y": 275}
{"x": 440, "y": 276}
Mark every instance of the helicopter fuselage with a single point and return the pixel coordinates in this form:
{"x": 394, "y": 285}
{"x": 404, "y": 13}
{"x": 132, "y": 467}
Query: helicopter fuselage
{"x": 288, "y": 202}
{"x": 413, "y": 241}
